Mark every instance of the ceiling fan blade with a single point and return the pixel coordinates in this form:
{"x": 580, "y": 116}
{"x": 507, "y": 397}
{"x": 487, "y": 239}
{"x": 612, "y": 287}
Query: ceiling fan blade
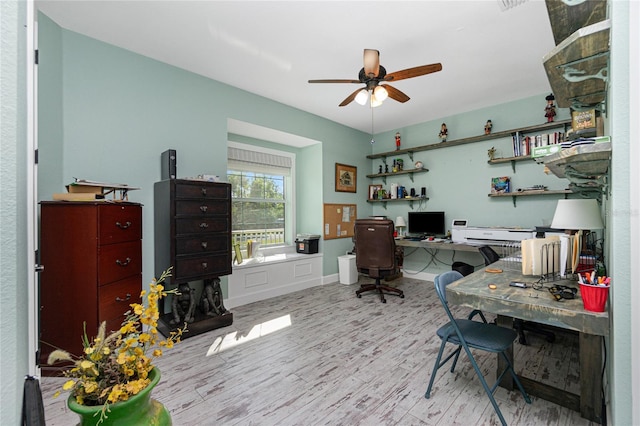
{"x": 371, "y": 62}
{"x": 349, "y": 98}
{"x": 413, "y": 72}
{"x": 335, "y": 81}
{"x": 396, "y": 94}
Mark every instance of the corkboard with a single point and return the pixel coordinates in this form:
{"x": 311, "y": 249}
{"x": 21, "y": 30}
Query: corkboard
{"x": 339, "y": 220}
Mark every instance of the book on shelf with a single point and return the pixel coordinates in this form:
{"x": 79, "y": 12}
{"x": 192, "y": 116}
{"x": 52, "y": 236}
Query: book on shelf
{"x": 501, "y": 185}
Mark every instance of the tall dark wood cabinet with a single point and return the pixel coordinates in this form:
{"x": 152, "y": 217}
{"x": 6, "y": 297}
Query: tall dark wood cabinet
{"x": 193, "y": 234}
{"x": 92, "y": 258}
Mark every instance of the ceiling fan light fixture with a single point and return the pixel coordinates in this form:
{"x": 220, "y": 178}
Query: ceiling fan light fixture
{"x": 380, "y": 93}
{"x": 362, "y": 97}
{"x": 375, "y": 102}
{"x": 371, "y": 62}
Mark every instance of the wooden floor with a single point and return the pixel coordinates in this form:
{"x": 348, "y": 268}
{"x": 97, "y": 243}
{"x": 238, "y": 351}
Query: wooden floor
{"x": 324, "y": 357}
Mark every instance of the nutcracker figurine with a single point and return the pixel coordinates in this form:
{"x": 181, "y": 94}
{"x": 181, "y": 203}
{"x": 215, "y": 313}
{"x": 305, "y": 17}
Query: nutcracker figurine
{"x": 397, "y": 141}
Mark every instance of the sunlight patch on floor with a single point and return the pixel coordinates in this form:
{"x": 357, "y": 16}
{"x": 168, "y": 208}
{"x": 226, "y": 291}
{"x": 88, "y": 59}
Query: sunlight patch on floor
{"x": 233, "y": 339}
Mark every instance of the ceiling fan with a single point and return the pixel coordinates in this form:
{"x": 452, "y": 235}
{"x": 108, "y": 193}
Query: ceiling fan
{"x": 373, "y": 74}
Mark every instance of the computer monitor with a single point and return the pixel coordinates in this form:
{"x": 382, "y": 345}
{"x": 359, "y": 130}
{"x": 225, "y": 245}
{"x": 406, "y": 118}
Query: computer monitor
{"x": 426, "y": 223}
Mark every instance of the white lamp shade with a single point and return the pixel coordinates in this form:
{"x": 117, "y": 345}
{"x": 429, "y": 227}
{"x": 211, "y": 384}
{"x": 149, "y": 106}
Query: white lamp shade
{"x": 577, "y": 215}
{"x": 375, "y": 102}
{"x": 362, "y": 97}
{"x": 381, "y": 93}
{"x": 400, "y": 222}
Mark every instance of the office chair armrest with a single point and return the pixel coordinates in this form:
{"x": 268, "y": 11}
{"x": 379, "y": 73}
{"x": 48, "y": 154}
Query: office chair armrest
{"x": 477, "y": 312}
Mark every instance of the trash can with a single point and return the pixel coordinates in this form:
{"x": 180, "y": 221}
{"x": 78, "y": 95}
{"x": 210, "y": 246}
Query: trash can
{"x": 347, "y": 268}
{"x": 464, "y": 268}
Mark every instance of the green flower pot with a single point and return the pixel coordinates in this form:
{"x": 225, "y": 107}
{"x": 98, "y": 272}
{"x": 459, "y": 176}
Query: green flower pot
{"x": 139, "y": 409}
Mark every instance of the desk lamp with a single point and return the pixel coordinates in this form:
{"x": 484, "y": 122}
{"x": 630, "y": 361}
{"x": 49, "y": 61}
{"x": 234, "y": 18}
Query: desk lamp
{"x": 400, "y": 223}
{"x": 576, "y": 215}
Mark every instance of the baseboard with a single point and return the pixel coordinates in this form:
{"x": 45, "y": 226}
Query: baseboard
{"x": 270, "y": 292}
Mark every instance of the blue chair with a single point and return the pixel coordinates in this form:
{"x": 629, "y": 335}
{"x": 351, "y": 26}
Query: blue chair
{"x": 467, "y": 334}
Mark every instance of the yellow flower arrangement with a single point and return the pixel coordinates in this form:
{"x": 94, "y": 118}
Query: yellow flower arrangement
{"x": 116, "y": 366}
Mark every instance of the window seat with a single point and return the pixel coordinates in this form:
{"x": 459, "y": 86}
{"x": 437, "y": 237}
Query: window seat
{"x": 279, "y": 271}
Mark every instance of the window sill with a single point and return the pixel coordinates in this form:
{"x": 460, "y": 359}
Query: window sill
{"x": 275, "y": 255}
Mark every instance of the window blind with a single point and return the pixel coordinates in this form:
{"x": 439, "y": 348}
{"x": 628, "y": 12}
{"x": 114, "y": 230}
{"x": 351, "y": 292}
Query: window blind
{"x": 259, "y": 162}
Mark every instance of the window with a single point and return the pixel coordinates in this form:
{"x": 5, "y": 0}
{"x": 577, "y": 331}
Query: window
{"x": 261, "y": 194}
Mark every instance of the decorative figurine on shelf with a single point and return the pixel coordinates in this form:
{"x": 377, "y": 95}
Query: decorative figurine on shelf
{"x": 400, "y": 164}
{"x": 395, "y": 166}
{"x": 183, "y": 305}
{"x": 443, "y": 133}
{"x": 380, "y": 169}
{"x": 491, "y": 153}
{"x": 419, "y": 165}
{"x": 211, "y": 301}
{"x": 550, "y": 109}
{"x": 487, "y": 127}
{"x": 397, "y": 141}
{"x": 386, "y": 168}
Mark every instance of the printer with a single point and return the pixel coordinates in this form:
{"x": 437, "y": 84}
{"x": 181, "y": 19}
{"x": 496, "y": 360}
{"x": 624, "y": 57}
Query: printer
{"x": 477, "y": 235}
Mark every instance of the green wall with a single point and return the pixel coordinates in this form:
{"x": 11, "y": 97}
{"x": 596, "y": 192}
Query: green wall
{"x": 458, "y": 179}
{"x": 114, "y": 112}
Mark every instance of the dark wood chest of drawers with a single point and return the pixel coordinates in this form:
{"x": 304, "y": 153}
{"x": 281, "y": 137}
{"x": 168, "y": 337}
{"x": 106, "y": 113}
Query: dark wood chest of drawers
{"x": 193, "y": 234}
{"x": 92, "y": 258}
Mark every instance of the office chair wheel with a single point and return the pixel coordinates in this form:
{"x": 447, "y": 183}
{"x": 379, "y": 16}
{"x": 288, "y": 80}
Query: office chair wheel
{"x": 359, "y": 296}
{"x": 402, "y": 296}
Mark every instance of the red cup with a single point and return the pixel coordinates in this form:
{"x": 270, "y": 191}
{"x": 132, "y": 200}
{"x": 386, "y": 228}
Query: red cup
{"x": 594, "y": 297}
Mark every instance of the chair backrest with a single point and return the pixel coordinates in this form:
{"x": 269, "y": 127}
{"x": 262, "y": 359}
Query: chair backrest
{"x": 375, "y": 246}
{"x": 442, "y": 281}
{"x": 489, "y": 254}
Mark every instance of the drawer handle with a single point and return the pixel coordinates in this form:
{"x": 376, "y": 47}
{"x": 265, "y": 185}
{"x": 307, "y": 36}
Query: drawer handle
{"x": 204, "y": 225}
{"x": 118, "y": 299}
{"x": 204, "y": 265}
{"x": 204, "y": 244}
{"x": 125, "y": 226}
{"x": 125, "y": 263}
{"x": 203, "y": 209}
{"x": 204, "y": 191}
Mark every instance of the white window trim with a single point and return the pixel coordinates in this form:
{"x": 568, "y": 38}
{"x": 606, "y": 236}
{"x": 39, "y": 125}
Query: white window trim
{"x": 290, "y": 190}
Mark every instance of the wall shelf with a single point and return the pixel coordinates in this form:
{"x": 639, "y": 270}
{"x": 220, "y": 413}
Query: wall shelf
{"x": 395, "y": 200}
{"x": 578, "y": 67}
{"x": 511, "y": 160}
{"x": 515, "y": 195}
{"x": 472, "y": 139}
{"x": 409, "y": 172}
{"x": 586, "y": 166}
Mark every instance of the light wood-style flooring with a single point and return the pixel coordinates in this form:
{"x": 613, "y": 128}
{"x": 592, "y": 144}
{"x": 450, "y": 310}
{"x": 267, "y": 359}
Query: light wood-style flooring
{"x": 324, "y": 357}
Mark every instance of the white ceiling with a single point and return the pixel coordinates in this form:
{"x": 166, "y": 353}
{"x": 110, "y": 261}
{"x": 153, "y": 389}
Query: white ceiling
{"x": 270, "y": 48}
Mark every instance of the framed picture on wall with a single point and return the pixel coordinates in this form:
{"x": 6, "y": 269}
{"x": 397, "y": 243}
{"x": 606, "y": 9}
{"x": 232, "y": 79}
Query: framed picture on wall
{"x": 346, "y": 178}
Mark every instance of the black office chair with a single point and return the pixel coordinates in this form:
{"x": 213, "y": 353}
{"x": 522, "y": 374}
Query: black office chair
{"x": 376, "y": 255}
{"x": 490, "y": 256}
{"x": 467, "y": 334}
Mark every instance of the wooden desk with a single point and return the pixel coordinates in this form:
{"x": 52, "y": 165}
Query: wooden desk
{"x": 512, "y": 302}
{"x": 437, "y": 245}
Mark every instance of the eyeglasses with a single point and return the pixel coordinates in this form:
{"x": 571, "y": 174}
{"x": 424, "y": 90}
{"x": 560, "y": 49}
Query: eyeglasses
{"x": 560, "y": 292}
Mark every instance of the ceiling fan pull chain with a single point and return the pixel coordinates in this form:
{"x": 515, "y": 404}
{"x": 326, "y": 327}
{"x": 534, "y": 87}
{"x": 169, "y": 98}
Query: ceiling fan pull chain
{"x": 372, "y": 140}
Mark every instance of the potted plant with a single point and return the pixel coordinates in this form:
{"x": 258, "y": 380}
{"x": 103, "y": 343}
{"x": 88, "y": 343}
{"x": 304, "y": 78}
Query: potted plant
{"x": 111, "y": 382}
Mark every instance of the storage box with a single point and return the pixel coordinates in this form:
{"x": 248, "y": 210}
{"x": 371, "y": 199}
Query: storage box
{"x": 542, "y": 151}
{"x": 307, "y": 245}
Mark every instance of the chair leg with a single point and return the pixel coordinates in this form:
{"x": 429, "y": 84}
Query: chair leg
{"x": 435, "y": 369}
{"x": 485, "y": 386}
{"x": 524, "y": 393}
